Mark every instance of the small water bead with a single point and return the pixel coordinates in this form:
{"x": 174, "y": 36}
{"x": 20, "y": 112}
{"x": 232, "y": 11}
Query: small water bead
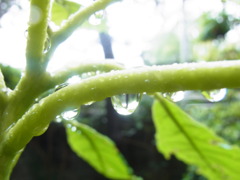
{"x": 58, "y": 119}
{"x": 44, "y": 94}
{"x": 72, "y": 80}
{"x": 47, "y": 45}
{"x": 215, "y": 95}
{"x": 126, "y": 104}
{"x": 60, "y": 86}
{"x": 96, "y": 18}
{"x": 88, "y": 74}
{"x": 175, "y": 97}
{"x": 26, "y": 33}
{"x": 74, "y": 128}
{"x": 70, "y": 114}
{"x": 6, "y": 90}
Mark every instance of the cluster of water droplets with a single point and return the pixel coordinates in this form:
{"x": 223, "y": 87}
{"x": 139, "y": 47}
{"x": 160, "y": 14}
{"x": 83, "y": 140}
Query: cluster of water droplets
{"x": 73, "y": 113}
{"x": 212, "y": 96}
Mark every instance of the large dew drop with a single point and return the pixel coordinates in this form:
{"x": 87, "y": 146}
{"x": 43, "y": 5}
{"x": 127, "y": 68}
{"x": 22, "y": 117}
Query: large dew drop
{"x": 126, "y": 104}
{"x": 70, "y": 114}
{"x": 215, "y": 95}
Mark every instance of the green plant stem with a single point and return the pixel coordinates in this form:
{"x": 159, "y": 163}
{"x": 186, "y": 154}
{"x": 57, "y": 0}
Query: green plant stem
{"x": 203, "y": 76}
{"x": 8, "y": 161}
{"x": 59, "y": 36}
{"x": 21, "y": 99}
{"x": 77, "y": 19}
{"x": 3, "y": 93}
{"x": 37, "y": 35}
{"x": 93, "y": 66}
{"x": 198, "y": 76}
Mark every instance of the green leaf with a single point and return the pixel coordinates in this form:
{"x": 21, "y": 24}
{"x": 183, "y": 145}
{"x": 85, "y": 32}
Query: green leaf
{"x": 99, "y": 151}
{"x": 61, "y": 10}
{"x": 178, "y": 134}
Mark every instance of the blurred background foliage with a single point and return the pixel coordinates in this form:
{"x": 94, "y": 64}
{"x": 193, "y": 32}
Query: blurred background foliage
{"x": 215, "y": 38}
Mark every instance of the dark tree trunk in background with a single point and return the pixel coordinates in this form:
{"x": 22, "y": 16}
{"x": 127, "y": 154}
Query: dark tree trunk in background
{"x": 106, "y": 43}
{"x": 112, "y": 116}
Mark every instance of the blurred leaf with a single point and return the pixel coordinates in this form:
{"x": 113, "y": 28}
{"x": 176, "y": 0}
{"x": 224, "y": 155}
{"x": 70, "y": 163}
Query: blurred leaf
{"x": 11, "y": 75}
{"x": 180, "y": 135}
{"x": 214, "y": 27}
{"x": 61, "y": 10}
{"x": 99, "y": 151}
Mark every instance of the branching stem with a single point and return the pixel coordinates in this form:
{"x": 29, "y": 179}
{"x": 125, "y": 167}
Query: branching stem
{"x": 203, "y": 76}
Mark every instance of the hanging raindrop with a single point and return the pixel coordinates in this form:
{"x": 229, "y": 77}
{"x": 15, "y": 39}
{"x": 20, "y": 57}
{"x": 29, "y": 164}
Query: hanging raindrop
{"x": 70, "y": 114}
{"x": 96, "y": 18}
{"x": 26, "y": 33}
{"x": 215, "y": 95}
{"x": 175, "y": 97}
{"x": 126, "y": 104}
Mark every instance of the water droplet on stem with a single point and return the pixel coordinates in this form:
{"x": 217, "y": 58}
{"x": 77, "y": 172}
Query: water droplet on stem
{"x": 215, "y": 95}
{"x": 96, "y": 18}
{"x": 126, "y": 104}
{"x": 175, "y": 97}
{"x": 70, "y": 114}
{"x": 47, "y": 45}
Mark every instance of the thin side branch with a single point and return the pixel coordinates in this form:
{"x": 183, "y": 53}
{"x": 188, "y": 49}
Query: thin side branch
{"x": 76, "y": 20}
{"x": 93, "y": 66}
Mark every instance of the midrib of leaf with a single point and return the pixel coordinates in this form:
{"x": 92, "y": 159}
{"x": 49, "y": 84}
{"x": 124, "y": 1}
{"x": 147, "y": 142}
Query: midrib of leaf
{"x": 182, "y": 130}
{"x": 95, "y": 148}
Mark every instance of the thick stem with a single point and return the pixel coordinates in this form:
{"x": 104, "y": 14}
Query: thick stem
{"x": 37, "y": 35}
{"x": 21, "y": 99}
{"x": 203, "y": 76}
